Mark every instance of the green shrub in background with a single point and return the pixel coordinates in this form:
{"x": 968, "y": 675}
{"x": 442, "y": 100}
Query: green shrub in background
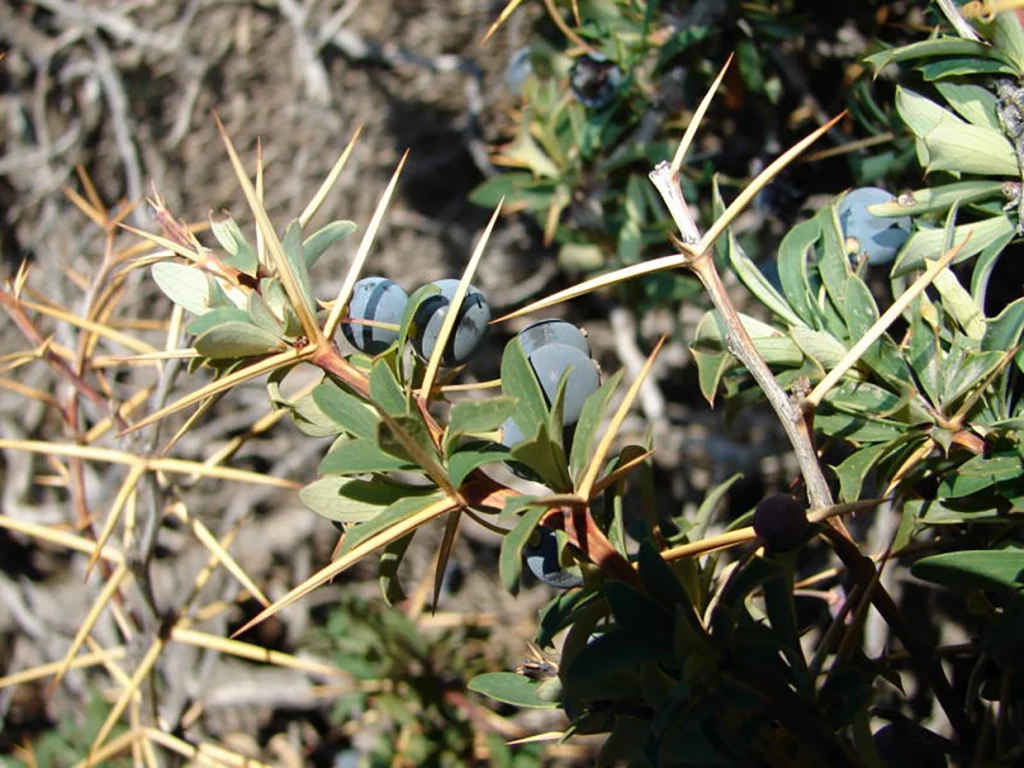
{"x": 909, "y": 373}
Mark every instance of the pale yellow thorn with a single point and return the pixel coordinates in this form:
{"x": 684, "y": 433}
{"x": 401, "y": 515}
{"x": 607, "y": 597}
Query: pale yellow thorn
{"x": 363, "y": 252}
{"x": 698, "y": 117}
{"x": 109, "y": 588}
{"x": 451, "y": 316}
{"x": 378, "y": 540}
{"x": 277, "y": 255}
{"x": 933, "y": 270}
{"x": 586, "y": 486}
{"x": 126, "y": 490}
{"x": 45, "y": 670}
{"x": 321, "y": 194}
{"x": 144, "y": 668}
{"x": 253, "y": 652}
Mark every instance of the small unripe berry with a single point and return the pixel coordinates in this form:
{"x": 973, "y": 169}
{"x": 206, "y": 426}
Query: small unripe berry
{"x": 781, "y": 521}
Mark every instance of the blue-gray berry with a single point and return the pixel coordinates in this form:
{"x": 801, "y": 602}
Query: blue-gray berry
{"x": 378, "y": 299}
{"x": 471, "y": 329}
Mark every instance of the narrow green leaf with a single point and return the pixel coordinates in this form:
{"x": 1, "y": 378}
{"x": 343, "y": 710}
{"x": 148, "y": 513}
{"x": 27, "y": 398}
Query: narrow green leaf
{"x": 260, "y": 315}
{"x": 510, "y": 688}
{"x": 390, "y": 558}
{"x": 855, "y": 467}
{"x": 792, "y": 263}
{"x": 939, "y": 46}
{"x": 973, "y": 103}
{"x": 214, "y": 317}
{"x": 974, "y": 569}
{"x": 591, "y": 417}
{"x": 939, "y": 199}
{"x": 928, "y": 243}
{"x": 291, "y": 244}
{"x": 402, "y": 509}
{"x": 241, "y": 255}
{"x": 407, "y": 435}
{"x": 951, "y": 144}
{"x": 314, "y": 246}
{"x": 758, "y": 284}
{"x": 519, "y": 381}
{"x": 385, "y": 390}
{"x": 510, "y": 561}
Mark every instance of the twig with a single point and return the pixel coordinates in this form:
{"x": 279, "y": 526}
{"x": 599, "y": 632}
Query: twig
{"x": 743, "y": 349}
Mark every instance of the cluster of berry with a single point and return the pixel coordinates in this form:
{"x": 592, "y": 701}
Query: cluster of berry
{"x": 553, "y": 347}
{"x": 378, "y": 306}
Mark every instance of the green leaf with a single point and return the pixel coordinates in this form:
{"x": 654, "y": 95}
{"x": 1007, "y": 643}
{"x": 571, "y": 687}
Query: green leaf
{"x": 401, "y": 510}
{"x": 711, "y": 368}
{"x": 973, "y": 103}
{"x": 291, "y": 244}
{"x": 758, "y": 284}
{"x": 1007, "y": 36}
{"x": 476, "y": 416}
{"x": 260, "y": 315}
{"x": 928, "y": 243}
{"x": 211, "y": 319}
{"x": 387, "y": 394}
{"x": 857, "y": 428}
{"x": 313, "y": 247}
{"x": 792, "y": 264}
{"x": 358, "y": 457}
{"x": 591, "y": 417}
{"x": 939, "y": 199}
{"x": 819, "y": 346}
{"x": 952, "y": 145}
{"x": 352, "y": 415}
{"x": 984, "y": 266}
{"x": 237, "y": 339}
{"x": 974, "y": 569}
{"x": 474, "y": 456}
{"x": 390, "y": 558}
{"x": 940, "y": 46}
{"x": 510, "y": 561}
{"x": 960, "y": 304}
{"x": 775, "y": 347}
{"x": 960, "y": 67}
{"x": 515, "y": 187}
{"x": 861, "y": 313}
{"x": 834, "y": 264}
{"x": 187, "y": 286}
{"x": 965, "y": 373}
{"x": 241, "y": 255}
{"x": 519, "y": 381}
{"x": 407, "y": 435}
{"x": 545, "y": 457}
{"x": 510, "y": 688}
{"x": 855, "y": 467}
{"x": 350, "y": 500}
{"x": 979, "y": 473}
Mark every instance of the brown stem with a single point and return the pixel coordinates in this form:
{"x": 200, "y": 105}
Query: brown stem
{"x": 923, "y": 656}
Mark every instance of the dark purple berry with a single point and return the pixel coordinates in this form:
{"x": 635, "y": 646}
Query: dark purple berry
{"x": 781, "y": 521}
